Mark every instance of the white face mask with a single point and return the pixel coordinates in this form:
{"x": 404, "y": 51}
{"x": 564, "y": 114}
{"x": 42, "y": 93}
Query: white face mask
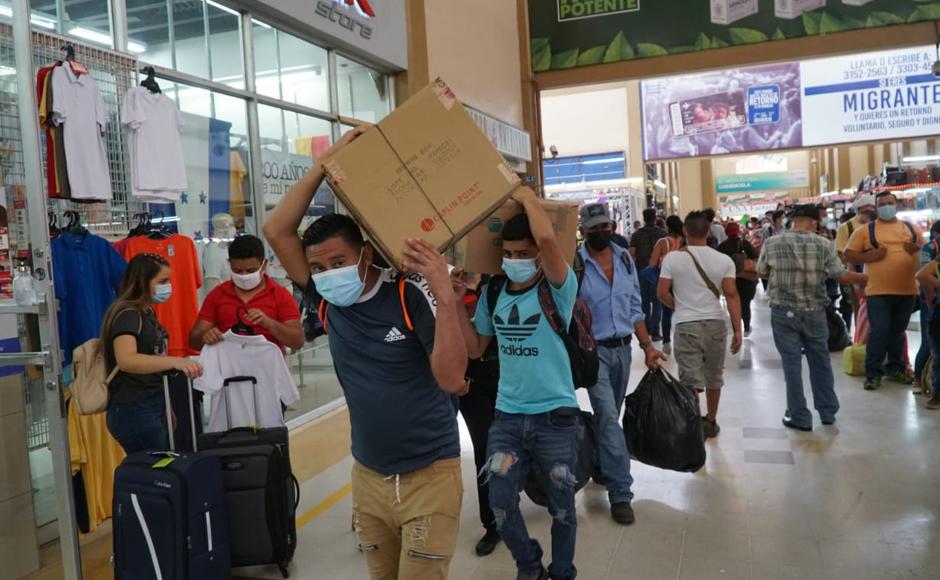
{"x": 248, "y": 281}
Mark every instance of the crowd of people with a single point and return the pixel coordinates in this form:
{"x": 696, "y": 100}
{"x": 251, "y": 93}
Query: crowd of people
{"x": 412, "y": 349}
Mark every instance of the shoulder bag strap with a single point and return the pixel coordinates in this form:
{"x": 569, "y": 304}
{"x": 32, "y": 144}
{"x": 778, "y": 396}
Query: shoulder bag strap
{"x": 404, "y": 305}
{"x": 708, "y": 281}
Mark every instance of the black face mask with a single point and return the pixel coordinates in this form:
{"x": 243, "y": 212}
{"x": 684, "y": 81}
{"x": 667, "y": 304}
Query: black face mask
{"x": 599, "y": 241}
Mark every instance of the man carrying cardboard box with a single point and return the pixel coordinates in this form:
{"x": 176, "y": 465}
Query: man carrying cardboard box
{"x": 536, "y": 409}
{"x": 400, "y": 357}
{"x": 611, "y": 288}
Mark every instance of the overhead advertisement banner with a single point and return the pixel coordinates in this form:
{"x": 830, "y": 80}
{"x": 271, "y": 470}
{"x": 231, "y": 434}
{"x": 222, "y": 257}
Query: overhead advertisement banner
{"x": 878, "y": 96}
{"x": 777, "y": 181}
{"x": 574, "y": 33}
{"x": 731, "y": 111}
{"x": 870, "y": 97}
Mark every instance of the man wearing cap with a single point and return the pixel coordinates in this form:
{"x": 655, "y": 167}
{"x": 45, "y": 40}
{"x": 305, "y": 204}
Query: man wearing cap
{"x": 864, "y": 207}
{"x": 798, "y": 263}
{"x": 610, "y": 286}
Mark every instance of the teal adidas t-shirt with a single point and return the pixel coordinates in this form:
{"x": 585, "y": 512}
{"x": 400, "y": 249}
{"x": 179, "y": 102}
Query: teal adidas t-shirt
{"x": 535, "y": 372}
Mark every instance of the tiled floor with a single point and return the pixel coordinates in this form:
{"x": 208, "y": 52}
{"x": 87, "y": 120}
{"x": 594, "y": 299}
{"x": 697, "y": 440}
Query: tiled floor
{"x": 856, "y": 501}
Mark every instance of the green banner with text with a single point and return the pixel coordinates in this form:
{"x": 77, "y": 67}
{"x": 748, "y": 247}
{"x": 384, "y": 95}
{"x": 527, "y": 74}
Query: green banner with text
{"x": 573, "y": 33}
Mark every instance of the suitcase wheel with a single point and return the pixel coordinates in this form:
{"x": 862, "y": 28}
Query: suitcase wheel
{"x": 284, "y": 571}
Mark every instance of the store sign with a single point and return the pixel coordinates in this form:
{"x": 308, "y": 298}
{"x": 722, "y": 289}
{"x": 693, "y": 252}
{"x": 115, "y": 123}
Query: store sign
{"x": 880, "y": 96}
{"x": 777, "y": 181}
{"x": 575, "y": 33}
{"x": 870, "y": 97}
{"x": 279, "y": 172}
{"x": 374, "y": 31}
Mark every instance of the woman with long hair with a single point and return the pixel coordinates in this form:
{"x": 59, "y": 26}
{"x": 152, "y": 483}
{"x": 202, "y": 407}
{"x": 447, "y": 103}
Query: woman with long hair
{"x": 135, "y": 343}
{"x": 747, "y": 289}
{"x": 670, "y": 243}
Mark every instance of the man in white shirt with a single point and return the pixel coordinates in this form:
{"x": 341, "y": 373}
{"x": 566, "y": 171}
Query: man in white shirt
{"x": 691, "y": 284}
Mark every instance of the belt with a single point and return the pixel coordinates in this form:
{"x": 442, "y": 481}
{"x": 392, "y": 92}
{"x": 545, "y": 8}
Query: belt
{"x": 616, "y": 342}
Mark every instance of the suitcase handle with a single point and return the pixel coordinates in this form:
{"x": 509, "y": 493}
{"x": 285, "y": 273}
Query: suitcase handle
{"x": 169, "y": 411}
{"x": 254, "y": 397}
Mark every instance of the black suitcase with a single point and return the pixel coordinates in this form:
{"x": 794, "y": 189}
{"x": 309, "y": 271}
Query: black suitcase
{"x": 169, "y": 517}
{"x": 260, "y": 489}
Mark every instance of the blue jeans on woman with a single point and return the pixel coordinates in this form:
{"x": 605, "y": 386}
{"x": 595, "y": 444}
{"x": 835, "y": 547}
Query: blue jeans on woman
{"x": 517, "y": 443}
{"x": 139, "y": 426}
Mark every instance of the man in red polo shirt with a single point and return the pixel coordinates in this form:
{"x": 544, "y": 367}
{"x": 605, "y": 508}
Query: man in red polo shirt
{"x": 268, "y": 307}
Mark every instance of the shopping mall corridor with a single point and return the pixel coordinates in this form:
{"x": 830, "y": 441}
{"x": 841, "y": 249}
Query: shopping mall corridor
{"x": 858, "y": 500}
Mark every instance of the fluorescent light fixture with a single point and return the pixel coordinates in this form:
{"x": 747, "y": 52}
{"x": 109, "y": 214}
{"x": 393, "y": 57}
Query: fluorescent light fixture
{"x": 92, "y": 35}
{"x": 166, "y": 220}
{"x": 261, "y": 24}
{"x": 659, "y": 183}
{"x": 921, "y": 159}
{"x": 136, "y": 47}
{"x": 222, "y": 8}
{"x": 35, "y": 19}
{"x": 603, "y": 161}
{"x": 6, "y": 71}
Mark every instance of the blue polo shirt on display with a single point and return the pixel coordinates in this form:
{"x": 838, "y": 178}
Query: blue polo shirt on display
{"x": 615, "y": 307}
{"x": 401, "y": 420}
{"x": 88, "y": 271}
{"x": 535, "y": 371}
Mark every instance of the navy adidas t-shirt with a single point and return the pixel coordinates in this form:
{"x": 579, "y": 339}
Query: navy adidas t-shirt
{"x": 401, "y": 420}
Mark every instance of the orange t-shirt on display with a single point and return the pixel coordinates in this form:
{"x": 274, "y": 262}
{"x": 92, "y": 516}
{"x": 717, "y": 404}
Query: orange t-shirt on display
{"x": 178, "y": 314}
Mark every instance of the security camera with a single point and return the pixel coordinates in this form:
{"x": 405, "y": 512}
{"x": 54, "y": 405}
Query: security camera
{"x": 936, "y": 68}
{"x": 554, "y": 150}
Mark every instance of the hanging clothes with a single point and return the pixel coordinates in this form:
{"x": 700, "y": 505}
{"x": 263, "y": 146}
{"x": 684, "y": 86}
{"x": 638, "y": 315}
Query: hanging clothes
{"x": 95, "y": 454}
{"x": 178, "y": 314}
{"x": 56, "y": 169}
{"x": 78, "y": 107}
{"x": 253, "y": 356}
{"x": 153, "y": 125}
{"x": 88, "y": 274}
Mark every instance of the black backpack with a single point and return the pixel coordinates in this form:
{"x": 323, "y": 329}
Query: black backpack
{"x": 578, "y": 337}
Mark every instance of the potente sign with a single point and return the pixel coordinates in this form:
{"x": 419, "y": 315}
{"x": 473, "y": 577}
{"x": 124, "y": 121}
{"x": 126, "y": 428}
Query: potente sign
{"x": 353, "y": 15}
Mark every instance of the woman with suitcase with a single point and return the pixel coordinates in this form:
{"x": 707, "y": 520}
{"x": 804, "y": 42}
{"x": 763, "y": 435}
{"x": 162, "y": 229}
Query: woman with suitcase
{"x": 135, "y": 345}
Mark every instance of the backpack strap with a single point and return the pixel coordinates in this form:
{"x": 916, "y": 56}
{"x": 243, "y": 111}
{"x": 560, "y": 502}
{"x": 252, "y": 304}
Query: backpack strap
{"x": 117, "y": 369}
{"x": 708, "y": 281}
{"x": 404, "y": 306}
{"x": 550, "y": 309}
{"x": 851, "y": 227}
{"x": 578, "y": 267}
{"x": 322, "y": 314}
{"x": 914, "y": 239}
{"x": 493, "y": 289}
{"x": 627, "y": 262}
{"x": 871, "y": 235}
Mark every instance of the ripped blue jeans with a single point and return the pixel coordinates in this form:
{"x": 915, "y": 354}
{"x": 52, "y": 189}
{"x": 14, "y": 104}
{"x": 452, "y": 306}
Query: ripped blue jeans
{"x": 516, "y": 443}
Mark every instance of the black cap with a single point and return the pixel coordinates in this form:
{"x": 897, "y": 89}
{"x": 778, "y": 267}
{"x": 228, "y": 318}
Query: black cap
{"x": 805, "y": 210}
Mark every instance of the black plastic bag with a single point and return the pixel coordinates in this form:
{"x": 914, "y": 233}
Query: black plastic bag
{"x": 838, "y": 336}
{"x": 663, "y": 424}
{"x": 584, "y": 470}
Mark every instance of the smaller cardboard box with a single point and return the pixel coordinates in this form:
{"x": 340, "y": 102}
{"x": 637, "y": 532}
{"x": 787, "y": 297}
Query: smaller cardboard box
{"x": 425, "y": 171}
{"x": 481, "y": 251}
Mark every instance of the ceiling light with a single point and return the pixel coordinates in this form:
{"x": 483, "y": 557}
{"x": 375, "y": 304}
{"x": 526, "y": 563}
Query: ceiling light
{"x": 261, "y": 24}
{"x": 35, "y": 19}
{"x": 921, "y": 159}
{"x": 222, "y": 8}
{"x": 136, "y": 47}
{"x": 6, "y": 71}
{"x": 92, "y": 35}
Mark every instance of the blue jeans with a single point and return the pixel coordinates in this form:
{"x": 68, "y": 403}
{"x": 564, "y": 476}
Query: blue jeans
{"x": 607, "y": 399}
{"x": 923, "y": 353}
{"x": 934, "y": 337}
{"x": 652, "y": 307}
{"x": 796, "y": 332}
{"x": 667, "y": 323}
{"x": 139, "y": 426}
{"x": 888, "y": 317}
{"x": 548, "y": 441}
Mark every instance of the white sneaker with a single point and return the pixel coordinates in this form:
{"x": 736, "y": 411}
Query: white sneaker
{"x": 747, "y": 333}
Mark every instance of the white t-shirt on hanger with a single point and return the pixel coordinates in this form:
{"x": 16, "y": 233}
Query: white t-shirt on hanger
{"x": 157, "y": 165}
{"x": 78, "y": 105}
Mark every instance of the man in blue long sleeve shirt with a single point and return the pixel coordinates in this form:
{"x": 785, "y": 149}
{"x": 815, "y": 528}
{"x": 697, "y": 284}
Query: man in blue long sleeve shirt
{"x": 611, "y": 288}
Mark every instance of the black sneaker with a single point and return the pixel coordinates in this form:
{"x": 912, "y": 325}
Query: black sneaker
{"x": 710, "y": 428}
{"x": 622, "y": 513}
{"x": 934, "y": 402}
{"x": 488, "y": 543}
{"x": 789, "y": 424}
{"x": 542, "y": 575}
{"x": 829, "y": 421}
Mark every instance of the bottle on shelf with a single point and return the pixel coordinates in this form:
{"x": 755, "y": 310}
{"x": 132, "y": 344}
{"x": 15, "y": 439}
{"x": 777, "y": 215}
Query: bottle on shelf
{"x": 24, "y": 288}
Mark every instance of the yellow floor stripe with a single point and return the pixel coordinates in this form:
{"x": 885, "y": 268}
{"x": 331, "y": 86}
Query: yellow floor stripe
{"x": 326, "y": 504}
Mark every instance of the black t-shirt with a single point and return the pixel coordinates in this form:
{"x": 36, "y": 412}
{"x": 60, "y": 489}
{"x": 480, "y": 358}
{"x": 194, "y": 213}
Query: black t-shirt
{"x": 401, "y": 420}
{"x": 644, "y": 240}
{"x": 730, "y": 247}
{"x": 151, "y": 339}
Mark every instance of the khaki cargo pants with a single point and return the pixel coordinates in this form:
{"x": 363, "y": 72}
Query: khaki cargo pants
{"x": 407, "y": 524}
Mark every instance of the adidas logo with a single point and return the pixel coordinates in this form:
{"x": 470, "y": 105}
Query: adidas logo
{"x": 515, "y": 331}
{"x": 395, "y": 335}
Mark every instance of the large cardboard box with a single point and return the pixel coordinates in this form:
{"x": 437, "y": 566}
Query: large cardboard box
{"x": 481, "y": 251}
{"x": 424, "y": 171}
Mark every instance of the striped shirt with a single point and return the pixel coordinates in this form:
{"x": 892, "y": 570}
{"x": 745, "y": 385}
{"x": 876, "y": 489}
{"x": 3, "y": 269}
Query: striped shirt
{"x": 799, "y": 264}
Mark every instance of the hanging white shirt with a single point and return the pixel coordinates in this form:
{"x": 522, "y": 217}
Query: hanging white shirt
{"x": 250, "y": 356}
{"x": 78, "y": 105}
{"x": 153, "y": 128}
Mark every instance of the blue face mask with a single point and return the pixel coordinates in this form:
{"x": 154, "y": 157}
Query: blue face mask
{"x": 340, "y": 287}
{"x": 162, "y": 293}
{"x": 888, "y": 212}
{"x": 519, "y": 271}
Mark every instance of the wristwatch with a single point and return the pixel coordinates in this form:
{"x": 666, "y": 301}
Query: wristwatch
{"x": 646, "y": 345}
